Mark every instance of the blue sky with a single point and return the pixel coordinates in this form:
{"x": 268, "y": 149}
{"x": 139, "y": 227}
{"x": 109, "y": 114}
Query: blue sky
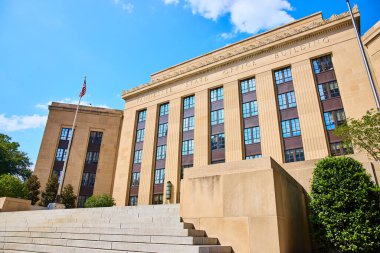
{"x": 47, "y": 46}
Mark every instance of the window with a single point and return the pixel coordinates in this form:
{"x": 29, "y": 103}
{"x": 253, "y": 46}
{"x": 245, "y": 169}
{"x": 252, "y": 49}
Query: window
{"x": 135, "y": 179}
{"x": 159, "y": 176}
{"x": 58, "y": 173}
{"x": 218, "y": 161}
{"x": 157, "y": 199}
{"x": 142, "y": 116}
{"x": 293, "y": 155}
{"x": 82, "y": 200}
{"x": 66, "y": 134}
{"x": 217, "y": 117}
{"x": 88, "y": 179}
{"x": 140, "y": 135}
{"x": 133, "y": 200}
{"x": 334, "y": 118}
{"x": 162, "y": 130}
{"x": 185, "y": 167}
{"x": 339, "y": 148}
{"x": 283, "y": 75}
{"x": 188, "y": 147}
{"x": 286, "y": 100}
{"x": 217, "y": 141}
{"x": 92, "y": 157}
{"x": 137, "y": 157}
{"x": 248, "y": 85}
{"x": 251, "y": 135}
{"x": 217, "y": 94}
{"x": 328, "y": 90}
{"x": 250, "y": 109}
{"x": 249, "y": 157}
{"x": 164, "y": 109}
{"x": 290, "y": 128}
{"x": 189, "y": 102}
{"x": 96, "y": 137}
{"x": 322, "y": 64}
{"x": 161, "y": 152}
{"x": 188, "y": 124}
{"x": 61, "y": 154}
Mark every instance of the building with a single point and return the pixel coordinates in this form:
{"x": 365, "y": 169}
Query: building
{"x": 279, "y": 94}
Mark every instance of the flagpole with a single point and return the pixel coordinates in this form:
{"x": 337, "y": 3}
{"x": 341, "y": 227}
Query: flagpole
{"x": 68, "y": 148}
{"x": 364, "y": 58}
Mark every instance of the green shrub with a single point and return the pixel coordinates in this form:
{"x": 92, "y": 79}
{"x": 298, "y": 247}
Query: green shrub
{"x": 51, "y": 188}
{"x": 345, "y": 207}
{"x": 102, "y": 200}
{"x": 33, "y": 189}
{"x": 12, "y": 187}
{"x": 67, "y": 197}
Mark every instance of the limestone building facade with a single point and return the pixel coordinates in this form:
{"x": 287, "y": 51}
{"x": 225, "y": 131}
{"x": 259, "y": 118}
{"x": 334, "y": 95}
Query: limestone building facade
{"x": 279, "y": 94}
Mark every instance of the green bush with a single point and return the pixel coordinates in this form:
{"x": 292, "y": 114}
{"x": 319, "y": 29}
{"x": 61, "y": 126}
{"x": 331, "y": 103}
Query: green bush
{"x": 12, "y": 187}
{"x": 102, "y": 200}
{"x": 67, "y": 197}
{"x": 51, "y": 188}
{"x": 33, "y": 189}
{"x": 345, "y": 207}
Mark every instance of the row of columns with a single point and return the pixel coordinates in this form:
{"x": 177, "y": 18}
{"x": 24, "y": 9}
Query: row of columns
{"x": 310, "y": 117}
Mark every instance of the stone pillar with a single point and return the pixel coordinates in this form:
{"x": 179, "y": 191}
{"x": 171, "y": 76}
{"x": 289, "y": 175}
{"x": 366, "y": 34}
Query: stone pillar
{"x": 124, "y": 158}
{"x": 148, "y": 157}
{"x": 173, "y": 152}
{"x": 309, "y": 111}
{"x": 233, "y": 122}
{"x": 271, "y": 140}
{"x": 201, "y": 129}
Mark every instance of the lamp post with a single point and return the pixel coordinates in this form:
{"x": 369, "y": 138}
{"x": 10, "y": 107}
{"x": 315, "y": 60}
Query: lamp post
{"x": 364, "y": 57}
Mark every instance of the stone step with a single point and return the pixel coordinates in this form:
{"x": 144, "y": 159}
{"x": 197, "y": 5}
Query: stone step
{"x": 111, "y": 231}
{"x": 66, "y": 239}
{"x": 117, "y": 247}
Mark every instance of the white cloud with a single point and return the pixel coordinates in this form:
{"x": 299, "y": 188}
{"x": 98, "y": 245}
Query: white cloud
{"x": 21, "y": 122}
{"x": 227, "y": 35}
{"x": 175, "y": 2}
{"x": 250, "y": 16}
{"x": 45, "y": 106}
{"x": 128, "y": 7}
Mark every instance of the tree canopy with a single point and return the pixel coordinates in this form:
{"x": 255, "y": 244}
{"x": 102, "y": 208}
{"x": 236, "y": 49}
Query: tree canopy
{"x": 12, "y": 160}
{"x": 345, "y": 213}
{"x": 363, "y": 134}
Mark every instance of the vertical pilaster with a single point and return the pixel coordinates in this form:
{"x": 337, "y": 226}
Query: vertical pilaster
{"x": 173, "y": 151}
{"x": 124, "y": 159}
{"x": 201, "y": 131}
{"x": 268, "y": 117}
{"x": 232, "y": 122}
{"x": 148, "y": 157}
{"x": 309, "y": 111}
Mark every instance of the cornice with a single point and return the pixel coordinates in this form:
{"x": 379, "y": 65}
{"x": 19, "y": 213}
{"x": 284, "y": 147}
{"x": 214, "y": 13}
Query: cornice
{"x": 85, "y": 109}
{"x": 251, "y": 46}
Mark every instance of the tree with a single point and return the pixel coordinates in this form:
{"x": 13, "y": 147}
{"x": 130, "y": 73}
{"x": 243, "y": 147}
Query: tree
{"x": 345, "y": 207}
{"x": 102, "y": 200}
{"x": 33, "y": 189}
{"x": 13, "y": 161}
{"x": 50, "y": 193}
{"x": 67, "y": 197}
{"x": 11, "y": 186}
{"x": 363, "y": 134}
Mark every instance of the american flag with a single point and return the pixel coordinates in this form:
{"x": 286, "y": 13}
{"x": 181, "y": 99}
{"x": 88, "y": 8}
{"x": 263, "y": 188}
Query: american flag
{"x": 83, "y": 92}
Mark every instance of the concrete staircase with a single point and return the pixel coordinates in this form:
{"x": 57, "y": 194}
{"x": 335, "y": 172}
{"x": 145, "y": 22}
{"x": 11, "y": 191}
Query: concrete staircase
{"x": 111, "y": 230}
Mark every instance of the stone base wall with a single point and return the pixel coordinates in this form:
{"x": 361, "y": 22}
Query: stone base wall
{"x": 13, "y": 204}
{"x": 252, "y": 205}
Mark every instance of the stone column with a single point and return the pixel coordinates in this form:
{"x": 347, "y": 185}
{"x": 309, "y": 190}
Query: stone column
{"x": 124, "y": 158}
{"x": 233, "y": 122}
{"x": 309, "y": 111}
{"x": 271, "y": 140}
{"x": 173, "y": 151}
{"x": 201, "y": 129}
{"x": 148, "y": 157}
